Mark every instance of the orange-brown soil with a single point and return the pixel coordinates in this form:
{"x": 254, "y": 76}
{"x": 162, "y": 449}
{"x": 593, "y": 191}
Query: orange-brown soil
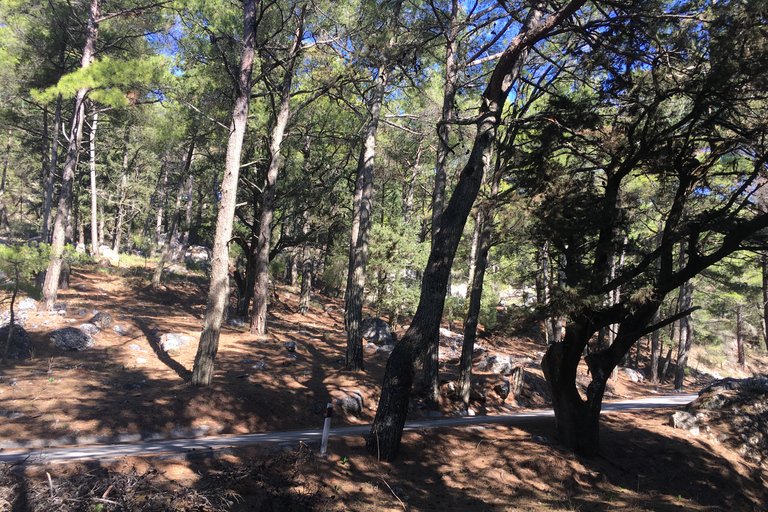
{"x": 112, "y": 389}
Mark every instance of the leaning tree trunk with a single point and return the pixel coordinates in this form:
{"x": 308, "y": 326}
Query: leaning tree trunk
{"x": 387, "y": 428}
{"x": 64, "y": 211}
{"x": 218, "y": 294}
{"x": 94, "y": 200}
{"x": 261, "y": 289}
{"x": 431, "y": 361}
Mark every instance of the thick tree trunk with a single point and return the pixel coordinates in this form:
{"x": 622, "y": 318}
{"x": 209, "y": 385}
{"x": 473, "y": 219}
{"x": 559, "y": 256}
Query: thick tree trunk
{"x": 431, "y": 361}
{"x": 94, "y": 200}
{"x": 387, "y": 428}
{"x": 218, "y": 295}
{"x": 283, "y": 116}
{"x": 51, "y": 174}
{"x": 64, "y": 211}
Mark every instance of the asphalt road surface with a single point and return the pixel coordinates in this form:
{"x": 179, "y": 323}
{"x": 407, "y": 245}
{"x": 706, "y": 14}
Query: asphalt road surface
{"x": 113, "y": 451}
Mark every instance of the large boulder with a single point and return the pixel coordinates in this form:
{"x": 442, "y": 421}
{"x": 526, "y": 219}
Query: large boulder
{"x": 108, "y": 257}
{"x": 71, "y": 338}
{"x": 377, "y": 331}
{"x": 197, "y": 254}
{"x": 171, "y": 341}
{"x": 21, "y": 345}
{"x": 19, "y": 318}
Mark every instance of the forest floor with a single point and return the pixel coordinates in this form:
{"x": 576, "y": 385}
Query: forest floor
{"x": 126, "y": 387}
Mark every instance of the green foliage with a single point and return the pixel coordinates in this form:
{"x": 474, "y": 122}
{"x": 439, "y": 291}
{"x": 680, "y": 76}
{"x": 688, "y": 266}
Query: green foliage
{"x": 21, "y": 262}
{"x": 110, "y": 80}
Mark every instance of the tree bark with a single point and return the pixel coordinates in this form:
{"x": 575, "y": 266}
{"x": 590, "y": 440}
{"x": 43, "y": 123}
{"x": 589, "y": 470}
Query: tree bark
{"x": 282, "y": 117}
{"x": 3, "y": 213}
{"x": 64, "y": 211}
{"x": 431, "y": 361}
{"x": 218, "y": 294}
{"x": 94, "y": 200}
{"x": 51, "y": 174}
{"x": 387, "y": 428}
{"x": 162, "y": 192}
{"x": 764, "y": 265}
{"x": 686, "y": 334}
{"x": 123, "y": 195}
{"x": 739, "y": 337}
{"x": 167, "y": 251}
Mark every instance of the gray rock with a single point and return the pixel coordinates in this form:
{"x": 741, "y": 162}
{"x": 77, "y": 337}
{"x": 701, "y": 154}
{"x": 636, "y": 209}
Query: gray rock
{"x": 351, "y": 404}
{"x": 27, "y": 304}
{"x": 102, "y": 320}
{"x": 197, "y": 254}
{"x": 291, "y": 346}
{"x": 20, "y": 343}
{"x": 371, "y": 346}
{"x": 499, "y": 364}
{"x": 686, "y": 421}
{"x": 90, "y": 329}
{"x": 172, "y": 341}
{"x": 119, "y": 329}
{"x": 261, "y": 365}
{"x": 82, "y": 312}
{"x": 135, "y": 347}
{"x": 19, "y": 318}
{"x": 377, "y": 331}
{"x": 236, "y": 322}
{"x": 634, "y": 375}
{"x": 71, "y": 338}
{"x": 503, "y": 389}
{"x": 385, "y": 349}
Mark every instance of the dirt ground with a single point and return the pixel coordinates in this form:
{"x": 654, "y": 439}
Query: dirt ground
{"x": 114, "y": 389}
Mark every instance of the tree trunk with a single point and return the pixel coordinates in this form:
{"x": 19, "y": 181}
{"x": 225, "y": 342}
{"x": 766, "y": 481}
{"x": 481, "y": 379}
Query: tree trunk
{"x": 764, "y": 264}
{"x": 123, "y": 195}
{"x": 188, "y": 216}
{"x": 64, "y": 211}
{"x": 431, "y": 361}
{"x": 162, "y": 192}
{"x": 3, "y": 213}
{"x": 739, "y": 338}
{"x": 282, "y": 117}
{"x": 686, "y": 334}
{"x": 51, "y": 174}
{"x": 94, "y": 200}
{"x": 218, "y": 294}
{"x": 361, "y": 229}
{"x": 306, "y": 279}
{"x": 655, "y": 349}
{"x": 387, "y": 428}
{"x": 167, "y": 252}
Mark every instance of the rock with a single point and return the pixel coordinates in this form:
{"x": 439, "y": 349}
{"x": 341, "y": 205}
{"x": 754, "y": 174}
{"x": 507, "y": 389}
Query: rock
{"x": 499, "y": 364}
{"x": 686, "y": 421}
{"x": 102, "y": 320}
{"x": 90, "y": 329}
{"x": 140, "y": 360}
{"x": 172, "y": 341}
{"x": 27, "y": 304}
{"x": 19, "y": 318}
{"x": 236, "y": 322}
{"x": 21, "y": 345}
{"x": 377, "y": 331}
{"x": 108, "y": 256}
{"x": 351, "y": 404}
{"x": 261, "y": 365}
{"x": 119, "y": 329}
{"x": 71, "y": 338}
{"x": 503, "y": 389}
{"x": 81, "y": 312}
{"x": 135, "y": 347}
{"x": 291, "y": 346}
{"x": 197, "y": 254}
{"x": 634, "y": 375}
{"x": 385, "y": 349}
{"x": 371, "y": 346}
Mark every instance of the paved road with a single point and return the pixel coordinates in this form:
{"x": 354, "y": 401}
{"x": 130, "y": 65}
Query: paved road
{"x": 111, "y": 451}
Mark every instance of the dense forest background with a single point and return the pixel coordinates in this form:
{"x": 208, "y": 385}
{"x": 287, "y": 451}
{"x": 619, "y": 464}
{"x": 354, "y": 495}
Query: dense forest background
{"x": 623, "y": 194}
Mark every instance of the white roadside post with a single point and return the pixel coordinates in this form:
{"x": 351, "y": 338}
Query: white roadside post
{"x": 326, "y": 428}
